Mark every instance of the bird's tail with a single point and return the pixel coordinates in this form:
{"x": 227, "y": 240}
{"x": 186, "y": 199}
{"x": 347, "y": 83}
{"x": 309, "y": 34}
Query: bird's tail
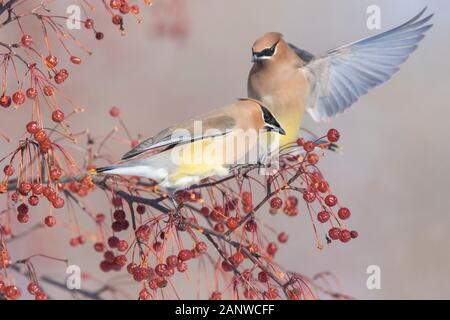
{"x": 134, "y": 169}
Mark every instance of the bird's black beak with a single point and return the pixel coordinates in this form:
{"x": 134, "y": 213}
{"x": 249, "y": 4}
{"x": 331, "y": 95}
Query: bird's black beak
{"x": 254, "y": 57}
{"x": 280, "y": 130}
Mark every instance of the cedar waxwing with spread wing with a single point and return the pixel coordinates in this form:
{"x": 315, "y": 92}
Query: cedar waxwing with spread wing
{"x": 209, "y": 145}
{"x": 290, "y": 80}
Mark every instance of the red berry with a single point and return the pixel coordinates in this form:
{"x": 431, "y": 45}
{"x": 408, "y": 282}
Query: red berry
{"x": 32, "y": 288}
{"x": 24, "y": 188}
{"x": 58, "y": 203}
{"x": 218, "y": 214}
{"x": 18, "y": 98}
{"x": 114, "y": 112}
{"x": 51, "y": 61}
{"x": 204, "y": 211}
{"x": 22, "y": 208}
{"x": 237, "y": 258}
{"x": 117, "y": 19}
{"x": 144, "y": 294}
{"x": 50, "y": 221}
{"x": 263, "y": 276}
{"x": 331, "y": 200}
{"x": 345, "y": 236}
{"x": 309, "y": 196}
{"x": 226, "y": 266}
{"x": 120, "y": 260}
{"x": 323, "y": 216}
{"x": 32, "y": 127}
{"x": 161, "y": 269}
{"x": 344, "y": 213}
{"x": 185, "y": 255}
{"x": 354, "y": 234}
{"x": 105, "y": 266}
{"x": 172, "y": 261}
{"x": 31, "y": 93}
{"x": 333, "y": 135}
{"x": 40, "y": 136}
{"x": 75, "y": 60}
{"x": 8, "y": 170}
{"x": 58, "y": 116}
{"x": 131, "y": 267}
{"x": 182, "y": 266}
{"x": 119, "y": 214}
{"x": 122, "y": 245}
{"x": 40, "y": 295}
{"x": 272, "y": 248}
{"x": 12, "y": 292}
{"x": 55, "y": 173}
{"x": 201, "y": 247}
{"x": 216, "y": 296}
{"x": 232, "y": 223}
{"x": 124, "y": 8}
{"x": 308, "y": 146}
{"x": 26, "y": 40}
{"x": 276, "y": 203}
{"x": 115, "y": 4}
{"x": 219, "y": 227}
{"x": 250, "y": 226}
{"x": 334, "y": 233}
{"x": 23, "y": 217}
{"x": 135, "y": 9}
{"x": 99, "y": 35}
{"x": 89, "y": 23}
{"x": 283, "y": 237}
{"x": 99, "y": 246}
{"x": 117, "y": 201}
{"x": 312, "y": 158}
{"x": 140, "y": 209}
{"x": 322, "y": 186}
{"x": 5, "y": 101}
{"x": 48, "y": 91}
{"x": 33, "y": 200}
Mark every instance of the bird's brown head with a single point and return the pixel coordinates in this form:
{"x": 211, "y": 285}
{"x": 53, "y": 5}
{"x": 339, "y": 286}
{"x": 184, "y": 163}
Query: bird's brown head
{"x": 268, "y": 47}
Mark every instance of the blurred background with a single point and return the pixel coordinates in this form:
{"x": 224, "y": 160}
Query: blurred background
{"x": 393, "y": 174}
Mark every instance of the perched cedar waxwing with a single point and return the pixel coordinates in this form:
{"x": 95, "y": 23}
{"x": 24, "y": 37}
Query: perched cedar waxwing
{"x": 206, "y": 146}
{"x": 290, "y": 80}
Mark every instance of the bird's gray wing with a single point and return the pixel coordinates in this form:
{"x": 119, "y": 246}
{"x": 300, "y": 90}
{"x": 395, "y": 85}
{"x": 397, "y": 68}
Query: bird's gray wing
{"x": 188, "y": 131}
{"x": 344, "y": 74}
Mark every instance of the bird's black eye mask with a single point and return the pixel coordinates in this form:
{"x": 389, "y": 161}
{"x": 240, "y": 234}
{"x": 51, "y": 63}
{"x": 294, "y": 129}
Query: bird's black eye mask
{"x": 268, "y": 52}
{"x": 269, "y": 119}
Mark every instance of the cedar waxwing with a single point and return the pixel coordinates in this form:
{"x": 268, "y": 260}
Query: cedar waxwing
{"x": 290, "y": 80}
{"x": 209, "y": 145}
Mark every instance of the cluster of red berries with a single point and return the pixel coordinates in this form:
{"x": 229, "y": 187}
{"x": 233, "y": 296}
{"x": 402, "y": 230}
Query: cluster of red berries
{"x": 123, "y": 7}
{"x": 157, "y": 277}
{"x": 34, "y": 290}
{"x": 40, "y": 136}
{"x": 83, "y": 187}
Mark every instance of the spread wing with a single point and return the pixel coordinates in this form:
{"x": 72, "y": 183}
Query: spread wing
{"x": 344, "y": 74}
{"x": 189, "y": 131}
